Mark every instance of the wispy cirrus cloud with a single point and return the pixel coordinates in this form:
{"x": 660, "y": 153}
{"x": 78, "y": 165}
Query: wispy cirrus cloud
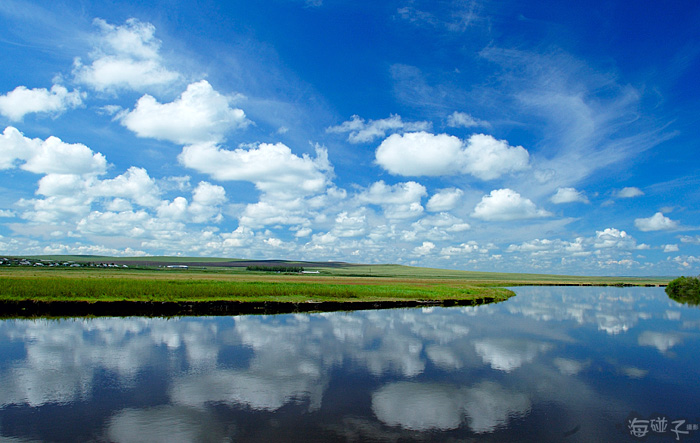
{"x": 361, "y": 131}
{"x": 588, "y": 119}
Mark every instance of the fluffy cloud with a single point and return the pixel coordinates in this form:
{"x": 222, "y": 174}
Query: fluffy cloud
{"x": 127, "y": 223}
{"x": 69, "y": 198}
{"x": 629, "y": 192}
{"x": 51, "y": 156}
{"x": 350, "y": 225}
{"x": 264, "y": 213}
{"x": 297, "y": 208}
{"x": 125, "y": 57}
{"x": 614, "y": 238}
{"x": 273, "y": 168}
{"x": 398, "y": 201}
{"x": 21, "y": 101}
{"x": 135, "y": 184}
{"x": 54, "y": 210}
{"x": 464, "y": 120}
{"x": 657, "y": 222}
{"x": 205, "y": 206}
{"x": 424, "y": 249}
{"x": 65, "y": 185}
{"x": 607, "y": 248}
{"x": 488, "y": 158}
{"x": 422, "y": 153}
{"x": 686, "y": 261}
{"x": 199, "y": 115}
{"x": 402, "y": 193}
{"x": 361, "y": 131}
{"x": 444, "y": 200}
{"x": 506, "y": 205}
{"x": 568, "y": 195}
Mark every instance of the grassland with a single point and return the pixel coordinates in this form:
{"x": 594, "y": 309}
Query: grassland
{"x": 185, "y": 285}
{"x": 149, "y": 280}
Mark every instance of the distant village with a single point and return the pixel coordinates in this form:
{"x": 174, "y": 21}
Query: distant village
{"x": 14, "y": 261}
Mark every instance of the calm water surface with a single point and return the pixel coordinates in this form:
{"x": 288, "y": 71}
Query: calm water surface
{"x": 552, "y": 364}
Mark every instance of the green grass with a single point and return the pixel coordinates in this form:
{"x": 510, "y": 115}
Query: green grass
{"x": 56, "y": 288}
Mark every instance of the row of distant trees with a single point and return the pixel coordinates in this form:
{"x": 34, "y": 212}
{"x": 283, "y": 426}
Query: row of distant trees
{"x": 275, "y": 268}
{"x": 684, "y": 290}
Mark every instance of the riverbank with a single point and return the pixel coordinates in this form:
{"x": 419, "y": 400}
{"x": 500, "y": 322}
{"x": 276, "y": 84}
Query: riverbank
{"x": 30, "y": 292}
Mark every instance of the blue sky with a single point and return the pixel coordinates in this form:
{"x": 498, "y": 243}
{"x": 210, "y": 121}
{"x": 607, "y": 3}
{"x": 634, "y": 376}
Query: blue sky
{"x": 498, "y": 136}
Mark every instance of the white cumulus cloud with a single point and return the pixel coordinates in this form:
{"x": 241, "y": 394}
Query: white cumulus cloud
{"x": 488, "y": 158}
{"x": 125, "y": 57}
{"x": 444, "y": 200}
{"x": 271, "y": 167}
{"x": 199, "y": 115}
{"x": 21, "y": 101}
{"x": 657, "y": 222}
{"x": 420, "y": 153}
{"x": 424, "y": 249}
{"x": 400, "y": 201}
{"x": 50, "y": 156}
{"x": 425, "y": 154}
{"x": 402, "y": 193}
{"x": 506, "y": 205}
{"x": 614, "y": 238}
{"x": 206, "y": 199}
{"x": 135, "y": 184}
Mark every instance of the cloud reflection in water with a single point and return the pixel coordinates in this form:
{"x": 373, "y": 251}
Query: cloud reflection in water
{"x": 472, "y": 370}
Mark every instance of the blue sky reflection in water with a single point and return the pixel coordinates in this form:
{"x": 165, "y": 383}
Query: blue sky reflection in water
{"x": 511, "y": 135}
{"x": 549, "y": 362}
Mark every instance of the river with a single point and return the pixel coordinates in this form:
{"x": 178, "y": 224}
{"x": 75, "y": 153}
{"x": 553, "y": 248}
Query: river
{"x": 551, "y": 364}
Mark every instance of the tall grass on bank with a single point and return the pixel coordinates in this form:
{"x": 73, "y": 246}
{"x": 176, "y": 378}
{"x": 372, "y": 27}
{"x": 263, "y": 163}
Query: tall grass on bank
{"x": 55, "y": 288}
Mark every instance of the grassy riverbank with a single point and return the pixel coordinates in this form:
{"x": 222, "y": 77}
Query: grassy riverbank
{"x": 183, "y": 286}
{"x": 222, "y": 280}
